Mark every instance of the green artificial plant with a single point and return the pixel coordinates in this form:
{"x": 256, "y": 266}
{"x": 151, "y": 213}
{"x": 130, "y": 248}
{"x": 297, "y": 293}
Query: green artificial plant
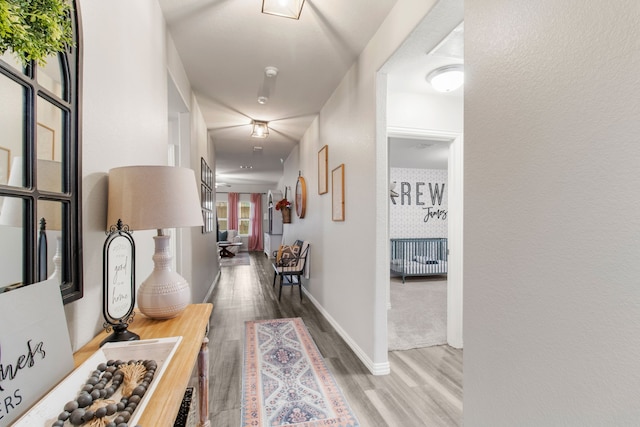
{"x": 35, "y": 29}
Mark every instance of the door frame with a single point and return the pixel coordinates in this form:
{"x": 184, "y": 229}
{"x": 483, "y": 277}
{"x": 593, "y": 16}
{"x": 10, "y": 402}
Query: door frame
{"x": 455, "y": 216}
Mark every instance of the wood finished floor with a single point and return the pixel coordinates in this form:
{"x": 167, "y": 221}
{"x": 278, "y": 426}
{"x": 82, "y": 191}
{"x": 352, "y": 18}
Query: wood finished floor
{"x": 423, "y": 389}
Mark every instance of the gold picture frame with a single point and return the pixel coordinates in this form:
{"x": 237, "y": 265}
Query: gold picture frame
{"x": 323, "y": 176}
{"x": 337, "y": 193}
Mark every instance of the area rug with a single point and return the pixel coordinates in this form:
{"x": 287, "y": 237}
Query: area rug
{"x": 285, "y": 381}
{"x": 418, "y": 315}
{"x": 241, "y": 258}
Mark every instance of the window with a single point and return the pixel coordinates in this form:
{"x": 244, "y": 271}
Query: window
{"x": 40, "y": 220}
{"x": 244, "y": 215}
{"x": 221, "y": 212}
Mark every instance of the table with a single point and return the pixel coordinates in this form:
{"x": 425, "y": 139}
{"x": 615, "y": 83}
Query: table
{"x": 226, "y": 253}
{"x": 192, "y": 325}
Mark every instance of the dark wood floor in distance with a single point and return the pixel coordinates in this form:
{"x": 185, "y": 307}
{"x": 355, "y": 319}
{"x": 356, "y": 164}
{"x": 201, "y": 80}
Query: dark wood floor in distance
{"x": 423, "y": 389}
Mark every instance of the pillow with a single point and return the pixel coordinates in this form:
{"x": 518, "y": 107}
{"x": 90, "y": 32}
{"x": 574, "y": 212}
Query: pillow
{"x": 287, "y": 255}
{"x": 222, "y": 236}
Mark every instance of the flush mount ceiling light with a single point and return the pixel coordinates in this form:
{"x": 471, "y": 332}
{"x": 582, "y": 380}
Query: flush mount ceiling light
{"x": 262, "y": 100}
{"x": 260, "y": 129}
{"x": 271, "y": 71}
{"x": 447, "y": 78}
{"x": 284, "y": 8}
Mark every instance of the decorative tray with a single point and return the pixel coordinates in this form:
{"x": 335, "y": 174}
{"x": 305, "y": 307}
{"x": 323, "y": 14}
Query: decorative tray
{"x": 45, "y": 412}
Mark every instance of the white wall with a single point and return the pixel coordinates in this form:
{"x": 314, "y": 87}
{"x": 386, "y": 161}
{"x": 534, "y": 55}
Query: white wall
{"x": 425, "y": 111}
{"x": 200, "y": 252}
{"x": 343, "y": 253}
{"x": 552, "y": 302}
{"x": 124, "y": 122}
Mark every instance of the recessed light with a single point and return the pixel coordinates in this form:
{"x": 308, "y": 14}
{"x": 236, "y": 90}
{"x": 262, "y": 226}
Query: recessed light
{"x": 262, "y": 100}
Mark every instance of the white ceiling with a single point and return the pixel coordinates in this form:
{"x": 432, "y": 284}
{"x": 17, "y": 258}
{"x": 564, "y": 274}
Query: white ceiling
{"x": 225, "y": 46}
{"x": 437, "y": 41}
{"x": 418, "y": 153}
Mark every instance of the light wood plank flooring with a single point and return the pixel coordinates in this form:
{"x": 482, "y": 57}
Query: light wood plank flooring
{"x": 423, "y": 389}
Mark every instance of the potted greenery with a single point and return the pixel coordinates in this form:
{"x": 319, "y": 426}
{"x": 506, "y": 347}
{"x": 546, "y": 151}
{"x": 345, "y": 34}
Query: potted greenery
{"x": 35, "y": 29}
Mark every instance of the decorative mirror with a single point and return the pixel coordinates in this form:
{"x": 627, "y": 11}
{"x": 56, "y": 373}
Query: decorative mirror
{"x": 301, "y": 197}
{"x": 118, "y": 283}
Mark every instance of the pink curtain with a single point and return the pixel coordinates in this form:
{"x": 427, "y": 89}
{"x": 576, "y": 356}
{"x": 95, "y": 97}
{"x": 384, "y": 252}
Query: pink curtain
{"x": 232, "y": 215}
{"x": 255, "y": 239}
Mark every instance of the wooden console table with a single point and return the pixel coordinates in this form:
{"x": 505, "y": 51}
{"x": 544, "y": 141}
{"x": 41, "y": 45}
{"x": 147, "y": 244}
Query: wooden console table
{"x": 192, "y": 325}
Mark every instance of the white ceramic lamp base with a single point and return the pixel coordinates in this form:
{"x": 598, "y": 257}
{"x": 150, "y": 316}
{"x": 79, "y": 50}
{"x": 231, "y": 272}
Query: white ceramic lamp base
{"x": 165, "y": 293}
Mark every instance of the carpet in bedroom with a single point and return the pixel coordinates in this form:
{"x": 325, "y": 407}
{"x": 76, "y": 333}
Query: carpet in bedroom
{"x": 418, "y": 314}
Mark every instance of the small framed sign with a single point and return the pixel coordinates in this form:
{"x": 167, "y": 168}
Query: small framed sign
{"x": 118, "y": 299}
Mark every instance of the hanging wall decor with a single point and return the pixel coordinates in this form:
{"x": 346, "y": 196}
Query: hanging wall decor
{"x": 206, "y": 196}
{"x": 323, "y": 175}
{"x": 337, "y": 193}
{"x": 301, "y": 197}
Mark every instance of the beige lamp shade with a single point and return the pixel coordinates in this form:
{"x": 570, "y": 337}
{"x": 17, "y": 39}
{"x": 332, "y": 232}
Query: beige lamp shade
{"x": 153, "y": 197}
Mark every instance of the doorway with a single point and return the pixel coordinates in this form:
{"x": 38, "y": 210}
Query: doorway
{"x": 415, "y": 111}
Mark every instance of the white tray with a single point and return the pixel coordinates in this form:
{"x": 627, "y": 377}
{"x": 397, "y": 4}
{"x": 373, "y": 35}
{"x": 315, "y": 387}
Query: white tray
{"x": 46, "y": 411}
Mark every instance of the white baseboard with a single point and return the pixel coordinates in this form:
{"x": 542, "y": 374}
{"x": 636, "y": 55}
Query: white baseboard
{"x": 374, "y": 368}
{"x": 207, "y": 297}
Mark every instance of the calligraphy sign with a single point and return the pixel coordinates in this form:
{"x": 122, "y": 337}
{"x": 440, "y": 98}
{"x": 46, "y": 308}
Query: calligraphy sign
{"x": 118, "y": 288}
{"x": 35, "y": 350}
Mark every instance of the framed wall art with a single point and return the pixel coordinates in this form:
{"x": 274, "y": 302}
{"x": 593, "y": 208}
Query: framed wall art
{"x": 5, "y": 164}
{"x": 206, "y": 196}
{"x": 45, "y": 139}
{"x": 337, "y": 193}
{"x": 323, "y": 175}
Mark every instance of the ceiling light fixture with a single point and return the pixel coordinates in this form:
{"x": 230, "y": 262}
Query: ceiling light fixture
{"x": 262, "y": 100}
{"x": 447, "y": 78}
{"x": 284, "y": 8}
{"x": 271, "y": 71}
{"x": 260, "y": 129}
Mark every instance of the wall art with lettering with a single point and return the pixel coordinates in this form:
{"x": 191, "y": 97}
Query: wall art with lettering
{"x": 35, "y": 350}
{"x": 418, "y": 202}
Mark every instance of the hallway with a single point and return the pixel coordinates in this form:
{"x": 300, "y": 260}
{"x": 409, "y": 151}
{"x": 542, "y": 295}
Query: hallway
{"x": 423, "y": 389}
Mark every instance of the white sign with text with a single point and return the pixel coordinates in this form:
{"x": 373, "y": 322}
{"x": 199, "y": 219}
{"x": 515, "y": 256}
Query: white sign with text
{"x": 35, "y": 350}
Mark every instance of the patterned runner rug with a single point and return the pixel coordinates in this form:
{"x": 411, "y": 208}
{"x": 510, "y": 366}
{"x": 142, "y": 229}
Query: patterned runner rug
{"x": 285, "y": 381}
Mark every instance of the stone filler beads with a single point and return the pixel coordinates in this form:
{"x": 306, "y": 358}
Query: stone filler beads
{"x": 93, "y": 406}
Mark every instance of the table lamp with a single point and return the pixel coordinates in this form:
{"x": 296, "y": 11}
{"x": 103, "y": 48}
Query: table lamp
{"x": 157, "y": 197}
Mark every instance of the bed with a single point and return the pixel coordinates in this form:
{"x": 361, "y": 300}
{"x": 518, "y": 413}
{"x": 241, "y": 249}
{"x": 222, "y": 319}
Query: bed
{"x": 418, "y": 257}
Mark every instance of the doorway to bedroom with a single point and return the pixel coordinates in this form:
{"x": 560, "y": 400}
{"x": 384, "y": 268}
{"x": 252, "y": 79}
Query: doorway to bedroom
{"x": 418, "y": 231}
{"x": 425, "y": 146}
